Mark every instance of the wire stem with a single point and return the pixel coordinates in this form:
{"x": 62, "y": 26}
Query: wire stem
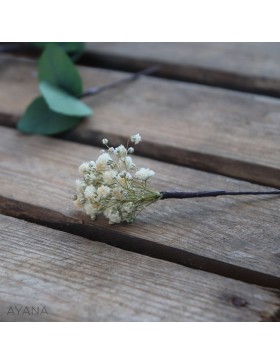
{"x": 135, "y": 76}
{"x": 175, "y": 194}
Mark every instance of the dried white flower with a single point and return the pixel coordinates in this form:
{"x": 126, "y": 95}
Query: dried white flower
{"x": 89, "y": 191}
{"x": 144, "y": 173}
{"x": 121, "y": 151}
{"x": 103, "y": 191}
{"x": 114, "y": 186}
{"x": 126, "y": 164}
{"x": 80, "y": 185}
{"x": 109, "y": 177}
{"x": 102, "y": 162}
{"x": 136, "y": 138}
{"x": 84, "y": 167}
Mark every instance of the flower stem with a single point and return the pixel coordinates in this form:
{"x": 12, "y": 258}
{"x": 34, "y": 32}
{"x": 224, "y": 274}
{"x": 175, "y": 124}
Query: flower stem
{"x": 135, "y": 76}
{"x": 175, "y": 194}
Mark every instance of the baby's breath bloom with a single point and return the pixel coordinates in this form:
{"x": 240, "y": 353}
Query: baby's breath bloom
{"x": 103, "y": 191}
{"x": 80, "y": 185}
{"x": 136, "y": 138}
{"x": 144, "y": 173}
{"x": 109, "y": 177}
{"x": 89, "y": 191}
{"x": 84, "y": 167}
{"x": 121, "y": 151}
{"x": 102, "y": 162}
{"x": 122, "y": 180}
{"x": 90, "y": 210}
{"x": 112, "y": 215}
{"x": 114, "y": 186}
{"x": 129, "y": 163}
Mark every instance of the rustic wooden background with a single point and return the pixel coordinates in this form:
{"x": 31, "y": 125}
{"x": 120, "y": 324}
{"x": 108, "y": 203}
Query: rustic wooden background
{"x": 210, "y": 119}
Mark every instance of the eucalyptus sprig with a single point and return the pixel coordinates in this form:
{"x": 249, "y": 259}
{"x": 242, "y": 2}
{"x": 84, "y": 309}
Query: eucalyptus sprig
{"x": 60, "y": 107}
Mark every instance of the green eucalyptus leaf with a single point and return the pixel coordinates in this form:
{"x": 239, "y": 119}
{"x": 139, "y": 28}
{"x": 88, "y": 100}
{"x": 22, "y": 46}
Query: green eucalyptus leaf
{"x": 69, "y": 47}
{"x": 62, "y": 102}
{"x": 39, "y": 119}
{"x": 57, "y": 68}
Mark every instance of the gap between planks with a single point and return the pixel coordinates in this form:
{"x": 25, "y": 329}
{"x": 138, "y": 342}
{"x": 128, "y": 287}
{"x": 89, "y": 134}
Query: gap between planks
{"x": 237, "y": 238}
{"x": 250, "y": 67}
{"x": 76, "y": 279}
{"x": 219, "y": 131}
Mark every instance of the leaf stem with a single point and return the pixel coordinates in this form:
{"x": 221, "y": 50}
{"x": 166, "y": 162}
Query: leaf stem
{"x": 178, "y": 194}
{"x": 135, "y": 76}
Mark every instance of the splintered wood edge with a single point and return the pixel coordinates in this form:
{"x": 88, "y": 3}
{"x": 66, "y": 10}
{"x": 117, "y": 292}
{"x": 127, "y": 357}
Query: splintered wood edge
{"x": 75, "y": 279}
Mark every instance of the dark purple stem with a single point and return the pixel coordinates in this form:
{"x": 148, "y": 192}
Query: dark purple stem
{"x": 165, "y": 195}
{"x": 135, "y": 76}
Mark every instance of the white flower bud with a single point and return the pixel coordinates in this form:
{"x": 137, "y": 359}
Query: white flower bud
{"x": 136, "y": 138}
{"x": 105, "y": 141}
{"x": 89, "y": 191}
{"x": 89, "y": 210}
{"x": 109, "y": 176}
{"x": 128, "y": 176}
{"x": 102, "y": 160}
{"x": 80, "y": 185}
{"x": 103, "y": 191}
{"x": 144, "y": 173}
{"x": 84, "y": 167}
{"x": 92, "y": 164}
{"x": 115, "y": 218}
{"x": 121, "y": 151}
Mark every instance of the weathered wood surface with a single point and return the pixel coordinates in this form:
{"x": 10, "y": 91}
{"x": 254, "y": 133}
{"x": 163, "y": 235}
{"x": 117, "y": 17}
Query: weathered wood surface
{"x": 230, "y": 133}
{"x": 244, "y": 66}
{"x": 76, "y": 279}
{"x": 235, "y": 236}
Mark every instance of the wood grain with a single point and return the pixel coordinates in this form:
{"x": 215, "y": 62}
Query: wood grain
{"x": 76, "y": 279}
{"x": 250, "y": 67}
{"x": 234, "y": 236}
{"x": 225, "y": 132}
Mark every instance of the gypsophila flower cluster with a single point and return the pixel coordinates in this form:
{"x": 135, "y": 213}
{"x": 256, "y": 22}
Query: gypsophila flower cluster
{"x": 114, "y": 186}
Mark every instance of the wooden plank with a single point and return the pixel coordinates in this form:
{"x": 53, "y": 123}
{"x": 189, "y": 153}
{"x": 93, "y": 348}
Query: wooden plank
{"x": 74, "y": 279}
{"x": 235, "y": 237}
{"x": 212, "y": 129}
{"x": 252, "y": 67}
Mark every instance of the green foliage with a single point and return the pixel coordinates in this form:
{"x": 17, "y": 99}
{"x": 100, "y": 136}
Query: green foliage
{"x": 57, "y": 68}
{"x": 69, "y": 47}
{"x": 40, "y": 119}
{"x": 59, "y": 109}
{"x": 62, "y": 102}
